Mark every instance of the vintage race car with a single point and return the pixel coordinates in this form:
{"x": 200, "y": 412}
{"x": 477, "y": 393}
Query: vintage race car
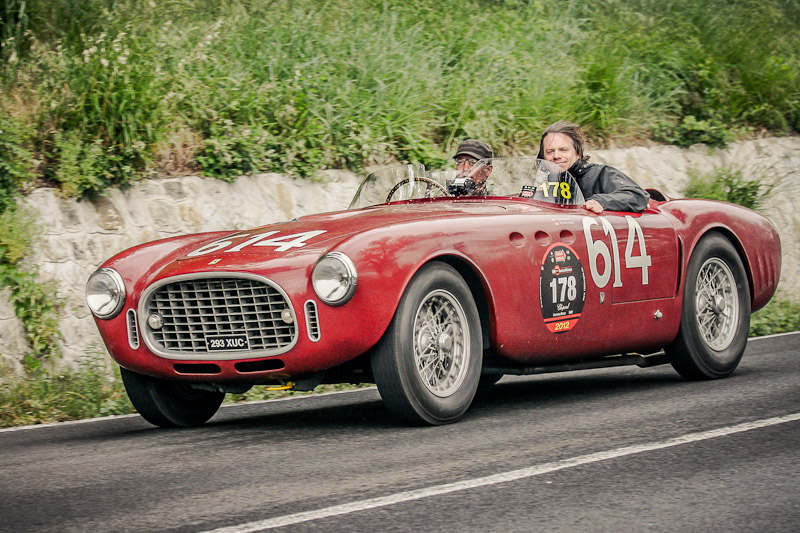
{"x": 431, "y": 285}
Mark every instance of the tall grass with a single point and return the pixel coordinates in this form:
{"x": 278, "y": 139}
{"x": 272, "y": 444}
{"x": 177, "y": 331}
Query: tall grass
{"x": 115, "y": 90}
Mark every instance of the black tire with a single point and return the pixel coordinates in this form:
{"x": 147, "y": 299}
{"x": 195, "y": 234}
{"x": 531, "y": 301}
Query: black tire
{"x": 170, "y": 404}
{"x": 715, "y": 321}
{"x": 436, "y": 322}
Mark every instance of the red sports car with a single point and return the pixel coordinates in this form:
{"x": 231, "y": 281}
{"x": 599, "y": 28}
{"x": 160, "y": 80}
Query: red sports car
{"x": 432, "y": 285}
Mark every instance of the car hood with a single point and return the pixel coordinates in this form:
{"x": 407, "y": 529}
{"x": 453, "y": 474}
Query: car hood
{"x": 285, "y": 247}
{"x": 315, "y": 234}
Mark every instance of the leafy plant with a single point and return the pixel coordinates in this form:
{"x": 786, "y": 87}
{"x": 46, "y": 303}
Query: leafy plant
{"x": 16, "y": 160}
{"x": 731, "y": 186}
{"x": 73, "y": 394}
{"x": 33, "y": 301}
{"x": 689, "y": 131}
{"x": 778, "y": 316}
{"x": 80, "y": 168}
{"x": 231, "y": 151}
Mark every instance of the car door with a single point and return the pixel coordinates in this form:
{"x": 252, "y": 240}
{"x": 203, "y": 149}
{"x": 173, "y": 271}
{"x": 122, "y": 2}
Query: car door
{"x": 631, "y": 256}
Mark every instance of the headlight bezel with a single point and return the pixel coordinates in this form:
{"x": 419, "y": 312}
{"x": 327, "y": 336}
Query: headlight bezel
{"x": 347, "y": 282}
{"x": 117, "y": 293}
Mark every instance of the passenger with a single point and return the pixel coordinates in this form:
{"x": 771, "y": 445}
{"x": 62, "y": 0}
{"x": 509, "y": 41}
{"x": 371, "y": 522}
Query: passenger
{"x": 603, "y": 187}
{"x": 469, "y": 180}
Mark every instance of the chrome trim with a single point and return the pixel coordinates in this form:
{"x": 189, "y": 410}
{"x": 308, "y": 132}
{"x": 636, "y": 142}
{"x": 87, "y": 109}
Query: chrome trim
{"x": 205, "y": 355}
{"x": 133, "y": 329}
{"x": 312, "y": 320}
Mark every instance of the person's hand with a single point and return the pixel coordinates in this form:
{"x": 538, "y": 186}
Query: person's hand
{"x": 593, "y": 206}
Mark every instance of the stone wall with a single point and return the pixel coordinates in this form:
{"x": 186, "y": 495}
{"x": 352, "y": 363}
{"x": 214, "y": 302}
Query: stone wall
{"x": 78, "y": 236}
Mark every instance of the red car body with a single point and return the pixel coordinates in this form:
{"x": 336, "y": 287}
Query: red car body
{"x": 553, "y": 284}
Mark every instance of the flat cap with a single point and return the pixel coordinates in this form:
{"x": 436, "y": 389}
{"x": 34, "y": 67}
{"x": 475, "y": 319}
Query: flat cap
{"x": 475, "y": 148}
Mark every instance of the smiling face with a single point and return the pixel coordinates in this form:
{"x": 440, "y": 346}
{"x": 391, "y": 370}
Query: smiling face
{"x": 559, "y": 149}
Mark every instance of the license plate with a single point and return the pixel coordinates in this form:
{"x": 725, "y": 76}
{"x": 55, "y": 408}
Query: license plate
{"x": 224, "y": 343}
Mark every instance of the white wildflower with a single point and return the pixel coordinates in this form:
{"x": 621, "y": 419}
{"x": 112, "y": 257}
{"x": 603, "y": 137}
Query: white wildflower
{"x": 104, "y": 62}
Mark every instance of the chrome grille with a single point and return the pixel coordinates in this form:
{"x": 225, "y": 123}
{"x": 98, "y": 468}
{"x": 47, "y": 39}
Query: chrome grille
{"x": 194, "y": 309}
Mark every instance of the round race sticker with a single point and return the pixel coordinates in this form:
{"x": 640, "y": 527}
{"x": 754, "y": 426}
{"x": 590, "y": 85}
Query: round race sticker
{"x": 562, "y": 288}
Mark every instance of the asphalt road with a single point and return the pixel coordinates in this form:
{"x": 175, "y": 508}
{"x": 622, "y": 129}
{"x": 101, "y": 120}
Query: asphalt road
{"x": 623, "y": 449}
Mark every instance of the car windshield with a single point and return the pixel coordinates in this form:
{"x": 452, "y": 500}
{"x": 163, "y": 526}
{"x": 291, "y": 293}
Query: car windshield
{"x": 522, "y": 177}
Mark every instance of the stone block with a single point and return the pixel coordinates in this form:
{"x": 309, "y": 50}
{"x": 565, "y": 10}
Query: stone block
{"x": 13, "y": 345}
{"x": 108, "y": 217}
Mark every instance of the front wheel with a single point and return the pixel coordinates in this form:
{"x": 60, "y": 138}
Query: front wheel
{"x": 428, "y": 363}
{"x": 715, "y": 321}
{"x": 170, "y": 404}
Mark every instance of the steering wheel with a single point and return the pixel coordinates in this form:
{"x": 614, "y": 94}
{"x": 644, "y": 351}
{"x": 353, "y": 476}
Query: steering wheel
{"x": 430, "y": 184}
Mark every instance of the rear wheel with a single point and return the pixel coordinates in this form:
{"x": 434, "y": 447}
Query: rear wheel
{"x": 168, "y": 404}
{"x": 428, "y": 363}
{"x": 715, "y": 321}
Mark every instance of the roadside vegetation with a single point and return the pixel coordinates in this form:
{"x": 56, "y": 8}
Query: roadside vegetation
{"x": 101, "y": 93}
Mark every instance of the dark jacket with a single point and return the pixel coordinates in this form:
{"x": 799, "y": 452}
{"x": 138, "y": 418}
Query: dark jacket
{"x": 611, "y": 188}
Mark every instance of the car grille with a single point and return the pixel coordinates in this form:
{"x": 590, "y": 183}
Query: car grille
{"x": 195, "y": 309}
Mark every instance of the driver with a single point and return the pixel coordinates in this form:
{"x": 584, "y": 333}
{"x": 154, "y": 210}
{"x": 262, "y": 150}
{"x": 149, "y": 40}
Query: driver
{"x": 471, "y": 180}
{"x": 604, "y": 187}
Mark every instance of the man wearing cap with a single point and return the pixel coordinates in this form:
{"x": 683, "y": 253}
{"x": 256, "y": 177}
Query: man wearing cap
{"x": 474, "y": 165}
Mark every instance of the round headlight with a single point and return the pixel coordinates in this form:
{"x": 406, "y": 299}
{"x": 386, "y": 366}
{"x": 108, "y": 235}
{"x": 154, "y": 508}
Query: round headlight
{"x": 334, "y": 278}
{"x": 105, "y": 293}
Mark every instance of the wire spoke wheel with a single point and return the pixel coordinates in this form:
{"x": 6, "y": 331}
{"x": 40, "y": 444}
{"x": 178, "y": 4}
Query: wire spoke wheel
{"x": 715, "y": 319}
{"x": 441, "y": 348}
{"x": 428, "y": 363}
{"x": 717, "y": 304}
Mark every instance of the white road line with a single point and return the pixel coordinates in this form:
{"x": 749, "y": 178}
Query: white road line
{"x": 512, "y": 475}
{"x": 774, "y": 335}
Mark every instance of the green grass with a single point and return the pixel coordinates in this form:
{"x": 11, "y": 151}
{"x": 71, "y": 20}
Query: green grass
{"x": 43, "y": 397}
{"x": 107, "y": 92}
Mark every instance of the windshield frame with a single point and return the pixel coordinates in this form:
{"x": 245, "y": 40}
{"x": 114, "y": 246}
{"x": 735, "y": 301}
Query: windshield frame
{"x": 513, "y": 177}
